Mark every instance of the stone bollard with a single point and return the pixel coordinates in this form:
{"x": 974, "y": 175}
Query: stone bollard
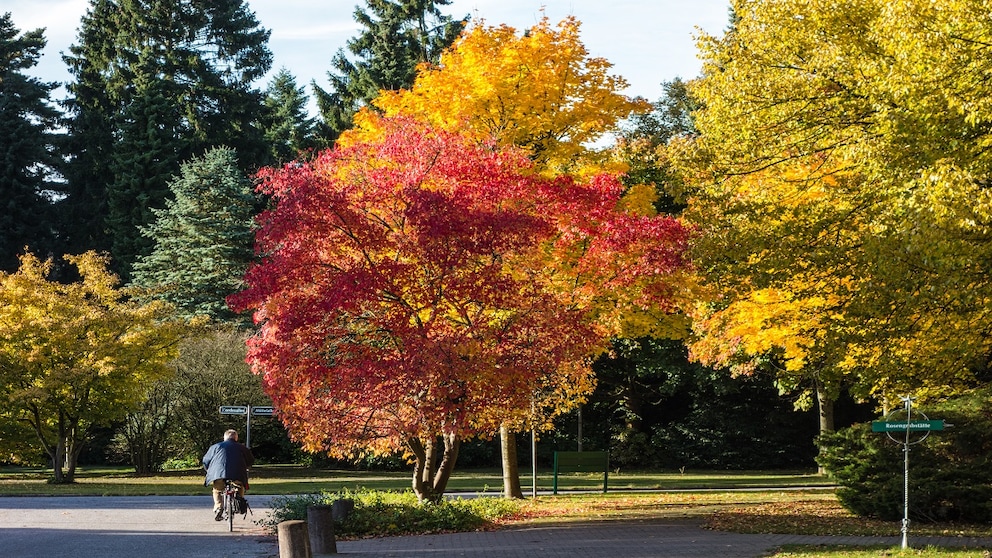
{"x": 294, "y": 542}
{"x": 342, "y": 507}
{"x": 320, "y": 524}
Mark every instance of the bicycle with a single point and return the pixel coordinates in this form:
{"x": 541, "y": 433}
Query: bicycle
{"x": 230, "y": 494}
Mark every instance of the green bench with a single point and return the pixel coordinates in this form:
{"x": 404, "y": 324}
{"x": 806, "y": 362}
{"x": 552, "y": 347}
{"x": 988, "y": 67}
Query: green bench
{"x": 582, "y": 462}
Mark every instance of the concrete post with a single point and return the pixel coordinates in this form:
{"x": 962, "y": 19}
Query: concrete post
{"x": 294, "y": 541}
{"x": 342, "y": 507}
{"x": 320, "y": 524}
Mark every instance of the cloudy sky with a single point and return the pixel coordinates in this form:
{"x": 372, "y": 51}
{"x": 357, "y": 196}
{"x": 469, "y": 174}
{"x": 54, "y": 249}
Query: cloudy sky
{"x": 648, "y": 41}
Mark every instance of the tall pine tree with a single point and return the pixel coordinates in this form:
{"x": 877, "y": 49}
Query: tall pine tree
{"x": 203, "y": 238}
{"x": 398, "y": 35}
{"x": 156, "y": 83}
{"x": 27, "y": 147}
{"x": 289, "y": 129}
{"x": 89, "y": 137}
{"x": 146, "y": 153}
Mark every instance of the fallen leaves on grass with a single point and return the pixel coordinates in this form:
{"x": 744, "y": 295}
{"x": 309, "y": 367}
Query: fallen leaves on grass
{"x": 826, "y": 516}
{"x": 823, "y": 516}
{"x": 584, "y": 507}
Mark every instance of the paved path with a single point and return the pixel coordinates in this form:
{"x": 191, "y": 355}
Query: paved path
{"x": 121, "y": 527}
{"x": 183, "y": 527}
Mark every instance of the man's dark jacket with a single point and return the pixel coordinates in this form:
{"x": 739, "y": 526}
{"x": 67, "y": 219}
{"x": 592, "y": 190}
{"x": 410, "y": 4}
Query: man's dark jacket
{"x": 227, "y": 460}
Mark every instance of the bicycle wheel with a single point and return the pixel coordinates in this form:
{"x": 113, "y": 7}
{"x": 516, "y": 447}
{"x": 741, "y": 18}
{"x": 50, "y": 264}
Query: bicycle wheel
{"x": 229, "y": 507}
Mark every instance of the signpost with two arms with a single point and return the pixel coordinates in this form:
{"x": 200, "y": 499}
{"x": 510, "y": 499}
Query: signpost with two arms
{"x": 247, "y": 411}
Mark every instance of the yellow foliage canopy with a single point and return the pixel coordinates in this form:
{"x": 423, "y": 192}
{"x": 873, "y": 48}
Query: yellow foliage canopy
{"x": 843, "y": 164}
{"x": 75, "y": 355}
{"x": 539, "y": 91}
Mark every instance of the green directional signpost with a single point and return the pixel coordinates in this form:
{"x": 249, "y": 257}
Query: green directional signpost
{"x": 911, "y": 430}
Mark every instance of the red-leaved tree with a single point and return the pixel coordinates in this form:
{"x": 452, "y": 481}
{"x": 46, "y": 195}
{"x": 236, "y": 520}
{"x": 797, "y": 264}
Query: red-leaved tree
{"x": 421, "y": 289}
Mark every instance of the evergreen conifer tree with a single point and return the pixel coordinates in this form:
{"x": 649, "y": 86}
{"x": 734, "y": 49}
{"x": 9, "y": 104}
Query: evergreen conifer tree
{"x": 145, "y": 156}
{"x": 157, "y": 82}
{"x": 289, "y": 128}
{"x": 89, "y": 137}
{"x": 203, "y": 238}
{"x": 27, "y": 147}
{"x": 398, "y": 35}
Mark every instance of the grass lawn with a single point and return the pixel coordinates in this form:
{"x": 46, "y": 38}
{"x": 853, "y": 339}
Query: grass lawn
{"x": 876, "y": 552}
{"x": 284, "y": 479}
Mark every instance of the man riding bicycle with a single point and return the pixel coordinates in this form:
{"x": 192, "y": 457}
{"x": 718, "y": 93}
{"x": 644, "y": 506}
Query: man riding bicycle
{"x": 227, "y": 460}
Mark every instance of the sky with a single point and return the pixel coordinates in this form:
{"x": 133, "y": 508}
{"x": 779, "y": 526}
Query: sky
{"x": 647, "y": 41}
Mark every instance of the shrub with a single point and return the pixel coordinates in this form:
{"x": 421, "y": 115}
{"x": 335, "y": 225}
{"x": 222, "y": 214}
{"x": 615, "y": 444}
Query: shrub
{"x": 286, "y": 508}
{"x": 182, "y": 463}
{"x": 380, "y": 513}
{"x": 949, "y": 474}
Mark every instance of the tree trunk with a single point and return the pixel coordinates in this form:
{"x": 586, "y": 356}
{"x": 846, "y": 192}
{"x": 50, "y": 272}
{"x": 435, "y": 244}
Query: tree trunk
{"x": 72, "y": 459}
{"x": 452, "y": 443}
{"x": 511, "y": 471}
{"x": 433, "y": 464}
{"x": 74, "y": 441}
{"x": 633, "y": 403}
{"x": 63, "y": 450}
{"x": 61, "y": 457}
{"x": 826, "y": 411}
{"x": 419, "y": 465}
{"x": 58, "y": 462}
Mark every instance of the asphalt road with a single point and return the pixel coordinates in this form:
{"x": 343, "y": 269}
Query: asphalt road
{"x": 143, "y": 527}
{"x": 183, "y": 527}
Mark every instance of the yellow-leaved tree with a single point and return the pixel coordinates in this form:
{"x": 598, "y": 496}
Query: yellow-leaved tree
{"x": 782, "y": 255}
{"x": 539, "y": 90}
{"x": 76, "y": 355}
{"x": 840, "y": 184}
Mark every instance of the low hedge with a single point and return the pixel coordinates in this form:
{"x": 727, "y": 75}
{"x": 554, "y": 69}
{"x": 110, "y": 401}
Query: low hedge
{"x": 380, "y": 513}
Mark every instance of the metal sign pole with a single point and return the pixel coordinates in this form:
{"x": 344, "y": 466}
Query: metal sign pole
{"x": 893, "y": 425}
{"x": 905, "y": 476}
{"x": 580, "y": 427}
{"x": 248, "y": 427}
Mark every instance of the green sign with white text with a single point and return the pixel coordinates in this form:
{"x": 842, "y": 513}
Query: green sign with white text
{"x": 902, "y": 426}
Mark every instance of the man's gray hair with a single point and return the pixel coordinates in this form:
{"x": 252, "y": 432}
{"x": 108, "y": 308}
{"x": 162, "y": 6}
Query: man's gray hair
{"x": 231, "y": 435}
